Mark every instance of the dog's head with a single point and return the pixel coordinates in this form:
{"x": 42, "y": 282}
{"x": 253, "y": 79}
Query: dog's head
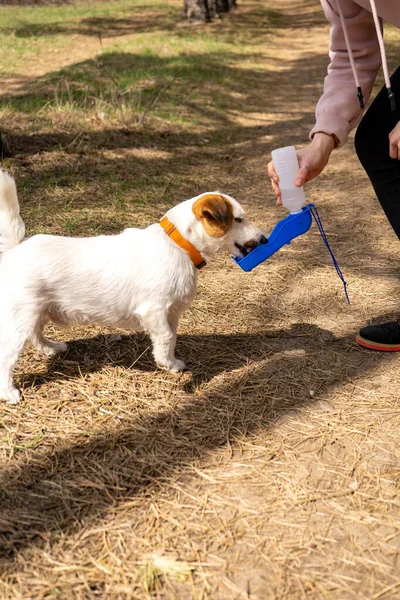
{"x": 215, "y": 222}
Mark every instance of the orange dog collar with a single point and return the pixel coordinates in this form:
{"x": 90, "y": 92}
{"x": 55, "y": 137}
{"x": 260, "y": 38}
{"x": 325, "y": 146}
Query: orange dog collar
{"x": 174, "y": 234}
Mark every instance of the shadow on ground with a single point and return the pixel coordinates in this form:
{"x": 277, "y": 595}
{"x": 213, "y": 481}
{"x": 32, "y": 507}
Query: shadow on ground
{"x": 223, "y": 403}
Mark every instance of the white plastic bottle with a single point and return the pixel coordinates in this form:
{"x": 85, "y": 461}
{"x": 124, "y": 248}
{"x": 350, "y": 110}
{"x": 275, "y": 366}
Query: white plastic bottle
{"x": 286, "y": 167}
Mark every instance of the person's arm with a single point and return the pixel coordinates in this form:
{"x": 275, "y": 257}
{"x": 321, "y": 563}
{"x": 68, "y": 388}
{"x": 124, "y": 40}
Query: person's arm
{"x": 338, "y": 110}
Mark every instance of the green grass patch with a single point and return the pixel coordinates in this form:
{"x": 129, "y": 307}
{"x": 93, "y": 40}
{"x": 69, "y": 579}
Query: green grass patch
{"x": 149, "y": 64}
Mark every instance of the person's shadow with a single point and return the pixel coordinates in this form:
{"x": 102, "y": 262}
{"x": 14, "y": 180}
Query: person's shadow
{"x": 240, "y": 384}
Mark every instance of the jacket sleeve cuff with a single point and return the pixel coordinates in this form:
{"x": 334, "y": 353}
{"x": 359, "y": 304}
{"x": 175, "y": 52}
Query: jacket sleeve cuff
{"x": 332, "y": 125}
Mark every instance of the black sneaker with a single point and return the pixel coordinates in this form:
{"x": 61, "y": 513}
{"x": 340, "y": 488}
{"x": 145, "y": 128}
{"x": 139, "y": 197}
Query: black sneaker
{"x": 385, "y": 337}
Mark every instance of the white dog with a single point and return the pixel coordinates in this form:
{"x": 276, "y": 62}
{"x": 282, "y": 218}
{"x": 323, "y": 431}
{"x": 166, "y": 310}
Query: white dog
{"x": 139, "y": 279}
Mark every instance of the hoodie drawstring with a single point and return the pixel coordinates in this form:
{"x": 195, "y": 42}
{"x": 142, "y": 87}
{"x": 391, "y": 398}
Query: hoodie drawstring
{"x": 383, "y": 55}
{"x": 382, "y": 51}
{"x": 351, "y": 57}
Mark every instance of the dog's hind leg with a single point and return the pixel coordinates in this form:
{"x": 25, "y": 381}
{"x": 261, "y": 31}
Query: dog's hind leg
{"x": 162, "y": 328}
{"x": 46, "y": 346}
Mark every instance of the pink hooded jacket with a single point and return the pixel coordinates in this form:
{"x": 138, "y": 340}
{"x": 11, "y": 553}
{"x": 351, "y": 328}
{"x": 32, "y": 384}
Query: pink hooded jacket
{"x": 338, "y": 110}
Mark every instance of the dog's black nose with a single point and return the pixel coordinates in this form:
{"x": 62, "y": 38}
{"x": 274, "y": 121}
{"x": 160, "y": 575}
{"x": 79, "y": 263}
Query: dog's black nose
{"x": 263, "y": 240}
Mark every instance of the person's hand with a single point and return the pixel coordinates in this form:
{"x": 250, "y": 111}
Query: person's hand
{"x": 312, "y": 161}
{"x": 394, "y": 142}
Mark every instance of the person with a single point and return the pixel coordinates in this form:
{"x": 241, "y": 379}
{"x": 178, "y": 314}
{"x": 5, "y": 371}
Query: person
{"x": 357, "y": 52}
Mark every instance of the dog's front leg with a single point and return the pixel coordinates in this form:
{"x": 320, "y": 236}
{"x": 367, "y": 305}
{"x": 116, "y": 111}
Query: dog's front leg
{"x": 10, "y": 347}
{"x": 162, "y": 328}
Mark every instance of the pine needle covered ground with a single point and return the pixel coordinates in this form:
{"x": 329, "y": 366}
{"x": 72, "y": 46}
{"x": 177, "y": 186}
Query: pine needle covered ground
{"x": 271, "y": 468}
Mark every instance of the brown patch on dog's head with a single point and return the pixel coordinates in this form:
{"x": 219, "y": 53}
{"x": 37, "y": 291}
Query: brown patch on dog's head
{"x": 215, "y": 213}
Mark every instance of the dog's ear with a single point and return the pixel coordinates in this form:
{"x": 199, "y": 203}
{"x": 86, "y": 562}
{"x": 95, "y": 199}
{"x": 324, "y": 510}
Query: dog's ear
{"x": 215, "y": 212}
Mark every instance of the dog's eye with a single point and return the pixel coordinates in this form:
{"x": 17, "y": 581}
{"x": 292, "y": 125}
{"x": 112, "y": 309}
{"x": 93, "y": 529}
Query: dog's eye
{"x": 238, "y": 219}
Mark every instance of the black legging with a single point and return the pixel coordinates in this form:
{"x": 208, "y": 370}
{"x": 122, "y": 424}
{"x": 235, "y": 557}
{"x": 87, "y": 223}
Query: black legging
{"x": 372, "y": 147}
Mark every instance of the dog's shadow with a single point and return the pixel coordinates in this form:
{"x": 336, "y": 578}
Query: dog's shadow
{"x": 206, "y": 356}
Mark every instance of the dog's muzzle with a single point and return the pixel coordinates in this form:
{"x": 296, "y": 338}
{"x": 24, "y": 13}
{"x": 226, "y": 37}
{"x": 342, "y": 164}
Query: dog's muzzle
{"x": 250, "y": 245}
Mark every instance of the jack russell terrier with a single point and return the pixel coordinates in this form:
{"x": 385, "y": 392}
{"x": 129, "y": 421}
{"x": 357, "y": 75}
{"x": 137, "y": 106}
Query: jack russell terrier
{"x": 141, "y": 279}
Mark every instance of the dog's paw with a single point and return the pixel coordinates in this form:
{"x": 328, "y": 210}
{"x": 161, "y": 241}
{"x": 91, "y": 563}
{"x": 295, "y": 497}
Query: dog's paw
{"x": 11, "y": 395}
{"x": 177, "y": 365}
{"x": 173, "y": 366}
{"x": 55, "y": 348}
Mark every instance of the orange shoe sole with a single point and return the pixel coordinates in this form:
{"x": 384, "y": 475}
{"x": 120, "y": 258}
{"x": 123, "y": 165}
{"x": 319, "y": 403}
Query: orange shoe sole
{"x": 376, "y": 345}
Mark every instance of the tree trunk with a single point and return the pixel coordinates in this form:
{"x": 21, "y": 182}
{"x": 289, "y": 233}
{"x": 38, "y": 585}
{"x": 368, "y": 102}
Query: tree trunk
{"x": 206, "y": 10}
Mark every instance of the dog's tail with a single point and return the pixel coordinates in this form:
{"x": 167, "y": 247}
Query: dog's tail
{"x": 12, "y": 227}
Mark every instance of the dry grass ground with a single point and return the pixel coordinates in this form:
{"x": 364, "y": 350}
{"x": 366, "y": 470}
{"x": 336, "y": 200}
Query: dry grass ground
{"x": 271, "y": 469}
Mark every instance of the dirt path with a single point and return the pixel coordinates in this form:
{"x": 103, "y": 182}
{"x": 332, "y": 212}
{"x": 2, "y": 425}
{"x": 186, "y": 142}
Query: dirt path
{"x": 269, "y": 470}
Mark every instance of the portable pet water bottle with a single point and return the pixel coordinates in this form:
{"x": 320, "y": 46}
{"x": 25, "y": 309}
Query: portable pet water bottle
{"x": 286, "y": 167}
{"x": 293, "y": 198}
{"x": 294, "y": 224}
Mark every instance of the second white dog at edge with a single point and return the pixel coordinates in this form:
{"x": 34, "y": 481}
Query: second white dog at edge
{"x": 141, "y": 279}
